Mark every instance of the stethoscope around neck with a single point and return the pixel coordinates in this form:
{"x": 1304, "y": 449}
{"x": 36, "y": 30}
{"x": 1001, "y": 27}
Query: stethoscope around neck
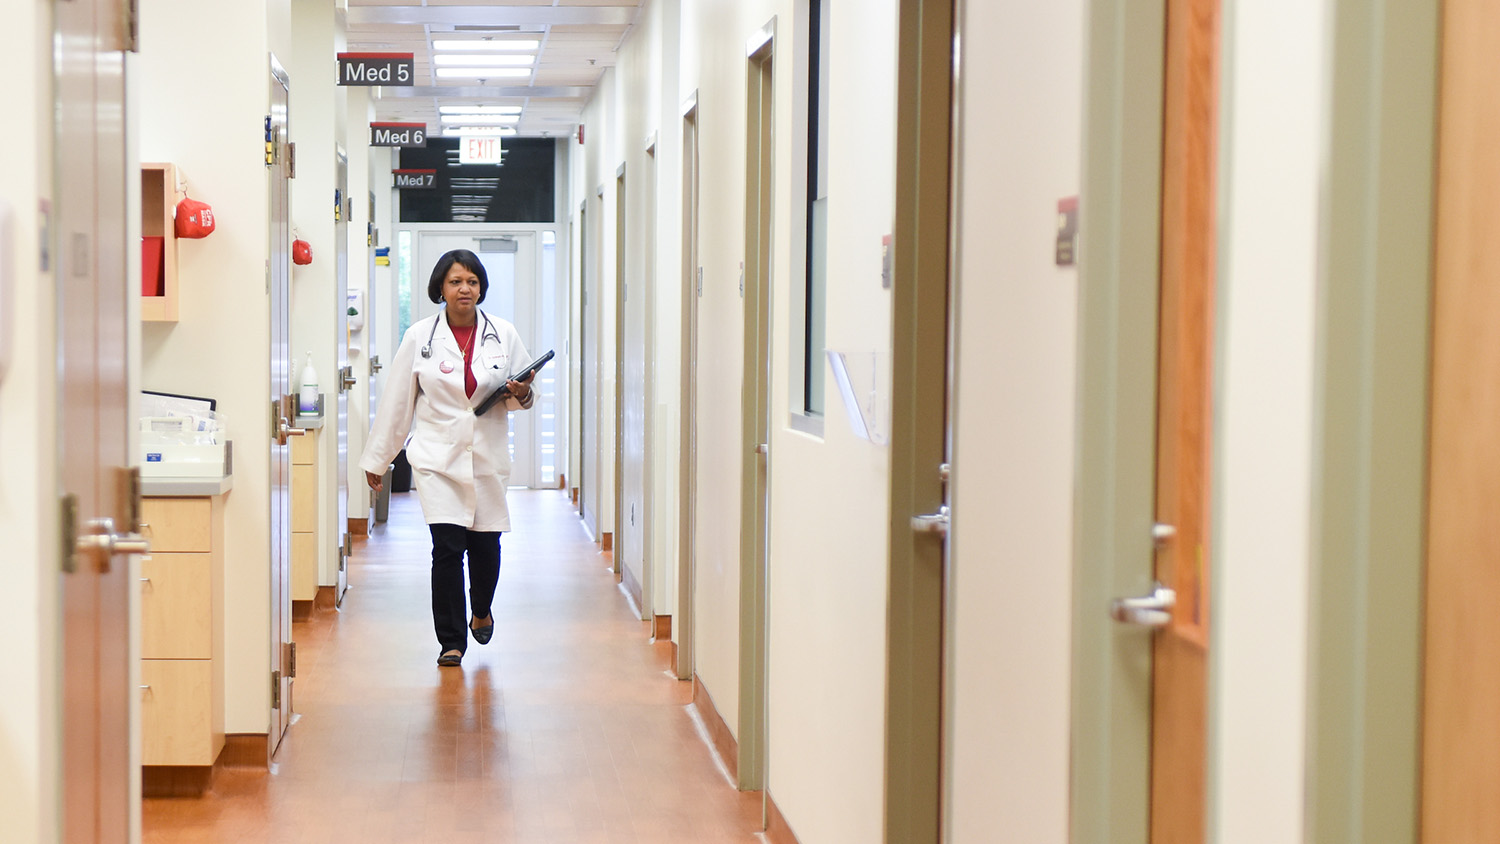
{"x": 489, "y": 331}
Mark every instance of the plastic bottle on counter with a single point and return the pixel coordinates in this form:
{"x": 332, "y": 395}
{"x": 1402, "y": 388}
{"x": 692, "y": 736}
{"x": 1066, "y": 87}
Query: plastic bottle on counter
{"x": 307, "y": 393}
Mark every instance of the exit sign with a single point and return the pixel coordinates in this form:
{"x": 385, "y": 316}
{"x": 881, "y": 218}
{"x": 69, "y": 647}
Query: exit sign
{"x": 479, "y": 149}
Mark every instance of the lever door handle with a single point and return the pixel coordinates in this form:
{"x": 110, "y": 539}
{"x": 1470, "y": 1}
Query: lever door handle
{"x": 285, "y": 429}
{"x": 1154, "y": 610}
{"x": 933, "y": 522}
{"x": 101, "y": 542}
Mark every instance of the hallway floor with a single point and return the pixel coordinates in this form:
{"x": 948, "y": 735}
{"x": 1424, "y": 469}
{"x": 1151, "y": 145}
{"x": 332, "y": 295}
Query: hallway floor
{"x": 566, "y": 728}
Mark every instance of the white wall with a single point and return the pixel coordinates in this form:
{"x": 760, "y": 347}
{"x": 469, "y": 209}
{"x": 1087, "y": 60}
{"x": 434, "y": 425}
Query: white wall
{"x": 828, "y": 576}
{"x": 829, "y": 495}
{"x": 30, "y": 620}
{"x": 315, "y": 123}
{"x": 1013, "y": 453}
{"x": 1273, "y": 100}
{"x": 218, "y": 347}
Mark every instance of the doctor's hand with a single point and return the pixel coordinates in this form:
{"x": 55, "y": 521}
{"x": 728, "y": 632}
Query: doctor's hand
{"x": 373, "y": 480}
{"x": 520, "y": 389}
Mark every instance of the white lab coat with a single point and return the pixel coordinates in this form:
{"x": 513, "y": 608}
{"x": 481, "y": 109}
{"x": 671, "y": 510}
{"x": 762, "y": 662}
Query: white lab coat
{"x": 460, "y": 462}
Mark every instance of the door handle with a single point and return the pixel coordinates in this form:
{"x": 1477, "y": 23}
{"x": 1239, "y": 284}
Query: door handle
{"x": 346, "y": 377}
{"x": 375, "y": 365}
{"x": 284, "y": 429}
{"x": 1154, "y": 610}
{"x": 101, "y": 542}
{"x": 933, "y": 522}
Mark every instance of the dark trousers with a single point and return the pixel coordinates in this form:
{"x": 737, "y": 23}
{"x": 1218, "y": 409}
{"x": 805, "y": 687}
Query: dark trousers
{"x": 449, "y": 542}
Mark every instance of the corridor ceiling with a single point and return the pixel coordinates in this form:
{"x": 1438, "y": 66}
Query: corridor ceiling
{"x": 573, "y": 42}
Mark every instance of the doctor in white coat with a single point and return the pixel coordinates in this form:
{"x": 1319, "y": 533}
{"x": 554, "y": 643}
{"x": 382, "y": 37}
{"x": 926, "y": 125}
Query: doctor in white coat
{"x": 446, "y": 365}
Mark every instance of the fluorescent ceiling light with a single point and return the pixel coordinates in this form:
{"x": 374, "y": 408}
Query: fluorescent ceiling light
{"x": 480, "y": 119}
{"x": 463, "y": 109}
{"x": 483, "y": 72}
{"x": 519, "y": 46}
{"x": 508, "y": 60}
{"x": 454, "y": 131}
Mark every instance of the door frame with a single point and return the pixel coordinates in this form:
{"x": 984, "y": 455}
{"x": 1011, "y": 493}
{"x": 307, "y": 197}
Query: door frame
{"x": 1369, "y": 484}
{"x": 1119, "y": 265}
{"x": 755, "y": 402}
{"x": 617, "y": 527}
{"x": 919, "y": 424}
{"x": 687, "y": 469}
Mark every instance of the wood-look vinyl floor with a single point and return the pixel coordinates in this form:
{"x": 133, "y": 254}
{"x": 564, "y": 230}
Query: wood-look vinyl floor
{"x": 567, "y": 728}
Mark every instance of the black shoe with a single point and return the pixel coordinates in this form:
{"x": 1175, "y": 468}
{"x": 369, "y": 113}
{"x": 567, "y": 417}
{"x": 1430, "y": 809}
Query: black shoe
{"x": 482, "y": 634}
{"x": 451, "y": 659}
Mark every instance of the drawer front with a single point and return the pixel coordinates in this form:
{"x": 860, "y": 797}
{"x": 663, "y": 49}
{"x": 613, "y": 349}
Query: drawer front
{"x": 177, "y": 606}
{"x": 176, "y": 712}
{"x": 305, "y": 448}
{"x": 178, "y": 524}
{"x": 304, "y": 499}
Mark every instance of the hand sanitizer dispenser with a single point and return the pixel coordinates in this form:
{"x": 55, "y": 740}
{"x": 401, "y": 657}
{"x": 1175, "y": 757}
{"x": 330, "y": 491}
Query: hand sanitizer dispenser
{"x": 307, "y": 393}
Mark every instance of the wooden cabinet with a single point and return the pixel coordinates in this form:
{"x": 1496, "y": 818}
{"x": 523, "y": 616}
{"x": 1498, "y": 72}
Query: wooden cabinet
{"x": 305, "y": 516}
{"x": 182, "y": 631}
{"x": 158, "y": 243}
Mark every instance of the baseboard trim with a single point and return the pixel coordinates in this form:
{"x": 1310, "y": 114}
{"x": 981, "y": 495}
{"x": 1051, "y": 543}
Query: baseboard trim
{"x": 778, "y": 831}
{"x": 246, "y": 750}
{"x": 663, "y": 628}
{"x": 327, "y": 598}
{"x": 302, "y": 610}
{"x": 724, "y": 743}
{"x": 177, "y": 780}
{"x": 632, "y": 585}
{"x": 359, "y": 527}
{"x": 607, "y": 541}
{"x": 241, "y": 750}
{"x": 575, "y": 497}
{"x": 562, "y": 481}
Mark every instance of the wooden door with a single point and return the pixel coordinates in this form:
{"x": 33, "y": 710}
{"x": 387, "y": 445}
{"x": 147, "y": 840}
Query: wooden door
{"x": 1461, "y": 700}
{"x": 1180, "y": 651}
{"x": 278, "y": 282}
{"x": 99, "y": 499}
{"x": 91, "y": 355}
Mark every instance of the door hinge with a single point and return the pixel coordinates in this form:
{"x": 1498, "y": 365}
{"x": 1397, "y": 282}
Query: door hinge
{"x": 291, "y": 159}
{"x": 291, "y": 659}
{"x": 67, "y": 532}
{"x": 130, "y": 499}
{"x": 275, "y": 689}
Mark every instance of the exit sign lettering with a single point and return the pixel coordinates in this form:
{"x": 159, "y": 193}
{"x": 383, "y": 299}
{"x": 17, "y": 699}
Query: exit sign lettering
{"x": 479, "y": 149}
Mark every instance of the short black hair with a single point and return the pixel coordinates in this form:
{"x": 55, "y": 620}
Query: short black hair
{"x": 464, "y": 258}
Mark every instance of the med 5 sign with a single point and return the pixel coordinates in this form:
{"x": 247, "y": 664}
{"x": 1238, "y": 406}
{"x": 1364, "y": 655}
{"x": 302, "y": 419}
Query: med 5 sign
{"x": 376, "y": 69}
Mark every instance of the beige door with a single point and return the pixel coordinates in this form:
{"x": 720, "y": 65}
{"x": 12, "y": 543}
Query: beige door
{"x": 278, "y": 280}
{"x": 1460, "y": 739}
{"x": 99, "y": 499}
{"x": 1184, "y": 369}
